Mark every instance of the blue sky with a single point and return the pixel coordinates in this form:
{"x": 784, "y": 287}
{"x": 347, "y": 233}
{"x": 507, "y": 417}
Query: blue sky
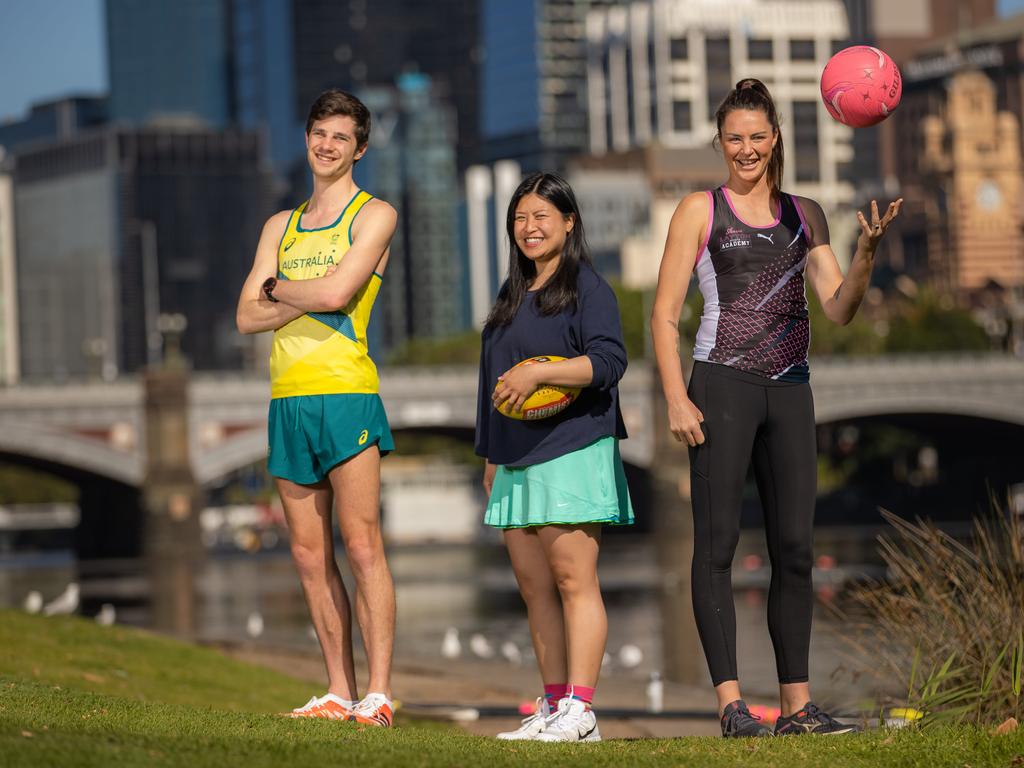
{"x": 54, "y": 48}
{"x": 50, "y": 49}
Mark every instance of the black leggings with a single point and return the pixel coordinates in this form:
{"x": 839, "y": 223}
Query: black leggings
{"x": 747, "y": 416}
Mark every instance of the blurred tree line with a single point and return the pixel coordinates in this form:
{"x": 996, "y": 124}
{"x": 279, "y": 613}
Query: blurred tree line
{"x": 887, "y": 323}
{"x": 23, "y": 485}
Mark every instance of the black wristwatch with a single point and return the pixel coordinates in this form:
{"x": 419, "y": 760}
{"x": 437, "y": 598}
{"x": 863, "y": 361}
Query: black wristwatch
{"x": 268, "y": 288}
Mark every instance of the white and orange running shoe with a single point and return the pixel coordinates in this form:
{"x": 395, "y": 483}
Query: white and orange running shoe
{"x": 374, "y": 709}
{"x": 326, "y": 707}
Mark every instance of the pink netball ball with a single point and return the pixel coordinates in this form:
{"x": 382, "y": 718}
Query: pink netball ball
{"x": 861, "y": 86}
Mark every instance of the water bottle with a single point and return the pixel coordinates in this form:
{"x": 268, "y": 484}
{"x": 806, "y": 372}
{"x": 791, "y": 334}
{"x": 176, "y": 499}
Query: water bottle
{"x": 655, "y": 693}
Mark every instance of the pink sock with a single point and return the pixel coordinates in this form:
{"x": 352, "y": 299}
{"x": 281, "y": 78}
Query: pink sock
{"x": 553, "y": 693}
{"x": 581, "y": 692}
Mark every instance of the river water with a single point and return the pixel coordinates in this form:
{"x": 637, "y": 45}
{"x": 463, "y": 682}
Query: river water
{"x": 470, "y": 588}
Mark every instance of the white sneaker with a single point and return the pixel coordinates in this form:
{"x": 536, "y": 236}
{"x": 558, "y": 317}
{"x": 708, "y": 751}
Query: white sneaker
{"x": 375, "y": 709}
{"x": 327, "y": 707}
{"x": 532, "y": 725}
{"x": 305, "y": 709}
{"x": 574, "y": 721}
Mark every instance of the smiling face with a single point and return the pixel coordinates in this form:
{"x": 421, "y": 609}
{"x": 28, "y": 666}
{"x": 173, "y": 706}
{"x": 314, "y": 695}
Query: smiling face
{"x": 747, "y": 142}
{"x": 540, "y": 229}
{"x": 331, "y": 146}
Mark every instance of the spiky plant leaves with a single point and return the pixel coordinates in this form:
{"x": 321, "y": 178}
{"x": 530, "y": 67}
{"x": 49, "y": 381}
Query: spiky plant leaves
{"x": 950, "y": 615}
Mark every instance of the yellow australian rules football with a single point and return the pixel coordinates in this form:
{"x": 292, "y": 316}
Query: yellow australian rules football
{"x": 546, "y": 401}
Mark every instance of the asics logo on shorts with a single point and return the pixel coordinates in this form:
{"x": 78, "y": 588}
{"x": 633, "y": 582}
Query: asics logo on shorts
{"x": 363, "y": 436}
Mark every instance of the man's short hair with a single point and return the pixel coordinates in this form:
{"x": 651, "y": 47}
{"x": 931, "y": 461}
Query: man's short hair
{"x": 337, "y": 102}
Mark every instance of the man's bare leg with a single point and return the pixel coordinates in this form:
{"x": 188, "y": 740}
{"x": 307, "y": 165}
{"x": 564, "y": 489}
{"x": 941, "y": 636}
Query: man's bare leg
{"x": 308, "y": 512}
{"x": 356, "y": 484}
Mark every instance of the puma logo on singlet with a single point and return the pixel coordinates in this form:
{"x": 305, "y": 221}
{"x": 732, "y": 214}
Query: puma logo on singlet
{"x": 767, "y": 237}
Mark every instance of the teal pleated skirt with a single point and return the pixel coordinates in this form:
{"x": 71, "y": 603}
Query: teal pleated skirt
{"x": 585, "y": 486}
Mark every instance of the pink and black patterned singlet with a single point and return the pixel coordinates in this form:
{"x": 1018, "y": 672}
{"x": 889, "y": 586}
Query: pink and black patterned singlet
{"x": 752, "y": 279}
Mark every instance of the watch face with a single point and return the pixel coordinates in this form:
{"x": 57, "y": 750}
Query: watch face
{"x": 988, "y": 195}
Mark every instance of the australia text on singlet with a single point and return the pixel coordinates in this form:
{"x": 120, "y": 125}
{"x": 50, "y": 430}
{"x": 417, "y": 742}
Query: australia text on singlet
{"x": 323, "y": 353}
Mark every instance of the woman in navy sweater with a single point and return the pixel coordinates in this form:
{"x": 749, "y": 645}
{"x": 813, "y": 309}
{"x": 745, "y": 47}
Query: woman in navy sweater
{"x": 553, "y": 482}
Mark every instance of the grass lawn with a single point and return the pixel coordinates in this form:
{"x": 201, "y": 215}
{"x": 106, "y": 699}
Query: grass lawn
{"x": 75, "y": 694}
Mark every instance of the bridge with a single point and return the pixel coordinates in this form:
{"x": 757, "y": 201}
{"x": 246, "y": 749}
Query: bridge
{"x": 98, "y": 428}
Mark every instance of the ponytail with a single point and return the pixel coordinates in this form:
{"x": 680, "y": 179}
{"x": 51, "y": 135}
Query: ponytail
{"x": 751, "y": 93}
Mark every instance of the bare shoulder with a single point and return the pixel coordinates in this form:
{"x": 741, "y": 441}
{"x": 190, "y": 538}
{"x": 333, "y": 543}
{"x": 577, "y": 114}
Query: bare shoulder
{"x": 379, "y": 211}
{"x": 692, "y": 212}
{"x": 377, "y": 219}
{"x": 693, "y": 209}
{"x": 695, "y": 203}
{"x": 277, "y": 224}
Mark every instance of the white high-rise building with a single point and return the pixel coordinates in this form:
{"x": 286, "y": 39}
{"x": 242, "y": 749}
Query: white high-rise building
{"x": 488, "y": 192}
{"x": 658, "y": 70}
{"x": 8, "y": 290}
{"x": 533, "y": 79}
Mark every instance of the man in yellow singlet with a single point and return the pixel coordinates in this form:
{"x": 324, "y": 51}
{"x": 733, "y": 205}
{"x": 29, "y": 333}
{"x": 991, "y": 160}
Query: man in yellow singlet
{"x": 317, "y": 271}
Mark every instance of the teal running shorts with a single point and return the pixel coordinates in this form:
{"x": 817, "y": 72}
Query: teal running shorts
{"x": 312, "y": 434}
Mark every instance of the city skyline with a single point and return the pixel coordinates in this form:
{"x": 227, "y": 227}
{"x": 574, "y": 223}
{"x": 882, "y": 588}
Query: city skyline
{"x": 637, "y": 85}
{"x": 57, "y": 49}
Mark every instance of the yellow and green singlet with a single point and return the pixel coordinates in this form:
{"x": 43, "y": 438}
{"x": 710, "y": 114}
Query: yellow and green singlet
{"x": 323, "y": 353}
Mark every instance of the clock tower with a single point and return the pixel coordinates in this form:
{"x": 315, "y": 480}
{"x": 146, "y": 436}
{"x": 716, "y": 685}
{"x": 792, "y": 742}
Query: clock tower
{"x": 971, "y": 161}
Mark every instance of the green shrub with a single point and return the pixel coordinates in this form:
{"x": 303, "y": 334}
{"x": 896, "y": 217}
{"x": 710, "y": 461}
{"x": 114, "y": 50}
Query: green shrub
{"x": 948, "y": 622}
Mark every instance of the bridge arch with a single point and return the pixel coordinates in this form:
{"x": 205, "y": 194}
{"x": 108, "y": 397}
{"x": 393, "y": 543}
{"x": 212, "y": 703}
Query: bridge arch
{"x": 110, "y": 523}
{"x": 76, "y": 424}
{"x": 897, "y": 404}
{"x": 56, "y": 447}
{"x": 981, "y": 386}
{"x": 249, "y": 447}
{"x": 942, "y": 466}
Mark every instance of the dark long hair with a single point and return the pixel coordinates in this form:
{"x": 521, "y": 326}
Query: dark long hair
{"x": 559, "y": 293}
{"x": 751, "y": 93}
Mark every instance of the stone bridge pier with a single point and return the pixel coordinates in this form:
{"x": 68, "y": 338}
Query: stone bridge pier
{"x": 172, "y": 501}
{"x": 668, "y": 477}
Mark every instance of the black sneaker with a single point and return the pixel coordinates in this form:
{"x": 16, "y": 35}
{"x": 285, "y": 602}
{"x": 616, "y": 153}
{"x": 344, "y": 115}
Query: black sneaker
{"x": 738, "y": 723}
{"x": 810, "y": 719}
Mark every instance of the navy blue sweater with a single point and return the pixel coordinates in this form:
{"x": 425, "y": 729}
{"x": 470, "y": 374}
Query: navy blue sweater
{"x": 594, "y": 330}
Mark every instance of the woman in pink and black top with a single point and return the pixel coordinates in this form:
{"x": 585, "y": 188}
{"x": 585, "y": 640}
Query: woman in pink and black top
{"x": 752, "y": 246}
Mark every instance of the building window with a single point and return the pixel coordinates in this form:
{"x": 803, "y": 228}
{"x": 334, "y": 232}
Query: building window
{"x": 719, "y": 71}
{"x": 801, "y": 50}
{"x": 679, "y": 48}
{"x": 759, "y": 49}
{"x": 915, "y": 254}
{"x": 607, "y": 117}
{"x": 630, "y": 97}
{"x": 805, "y": 140}
{"x": 681, "y": 120}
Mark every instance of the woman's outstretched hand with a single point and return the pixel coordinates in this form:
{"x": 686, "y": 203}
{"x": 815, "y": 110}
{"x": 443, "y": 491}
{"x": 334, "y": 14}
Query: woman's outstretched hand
{"x": 871, "y": 232}
{"x": 684, "y": 420}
